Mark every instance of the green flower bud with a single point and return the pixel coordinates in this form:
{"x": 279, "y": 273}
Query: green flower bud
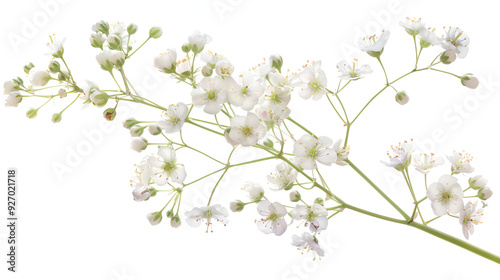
{"x": 175, "y": 222}
{"x": 109, "y": 114}
{"x": 153, "y": 192}
{"x": 114, "y": 42}
{"x": 54, "y": 66}
{"x": 295, "y": 196}
{"x": 277, "y": 61}
{"x": 154, "y": 129}
{"x": 402, "y": 98}
{"x": 136, "y": 131}
{"x": 269, "y": 143}
{"x": 155, "y": 32}
{"x": 100, "y": 99}
{"x": 170, "y": 214}
{"x": 484, "y": 193}
{"x": 61, "y": 76}
{"x": 237, "y": 206}
{"x": 32, "y": 112}
{"x": 28, "y": 67}
{"x": 132, "y": 28}
{"x": 477, "y": 182}
{"x": 102, "y": 27}
{"x": 57, "y": 117}
{"x": 186, "y": 47}
{"x": 154, "y": 218}
{"x": 129, "y": 123}
{"x": 320, "y": 201}
{"x": 207, "y": 71}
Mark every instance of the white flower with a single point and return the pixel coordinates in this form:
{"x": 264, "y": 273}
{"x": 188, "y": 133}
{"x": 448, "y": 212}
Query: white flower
{"x": 166, "y": 61}
{"x": 477, "y": 182}
{"x": 276, "y": 98}
{"x": 88, "y": 90}
{"x": 247, "y": 130}
{"x": 206, "y": 213}
{"x": 246, "y": 94}
{"x": 210, "y": 95}
{"x": 280, "y": 80}
{"x": 140, "y": 182}
{"x": 211, "y": 58}
{"x": 283, "y": 178}
{"x": 255, "y": 191}
{"x": 198, "y": 40}
{"x": 353, "y": 71}
{"x": 229, "y": 140}
{"x": 315, "y": 214}
{"x": 401, "y": 157}
{"x": 308, "y": 150}
{"x": 117, "y": 28}
{"x": 342, "y": 152}
{"x": 270, "y": 117}
{"x": 412, "y": 25}
{"x": 39, "y": 78}
{"x": 117, "y": 57}
{"x": 56, "y": 47}
{"x": 273, "y": 221}
{"x": 428, "y": 36}
{"x": 165, "y": 166}
{"x": 460, "y": 162}
{"x": 308, "y": 242}
{"x": 183, "y": 67}
{"x": 154, "y": 218}
{"x": 470, "y": 217}
{"x": 424, "y": 162}
{"x": 445, "y": 196}
{"x": 13, "y": 99}
{"x": 374, "y": 43}
{"x": 174, "y": 118}
{"x": 139, "y": 144}
{"x": 9, "y": 86}
{"x": 469, "y": 81}
{"x": 313, "y": 82}
{"x": 262, "y": 71}
{"x": 97, "y": 40}
{"x": 224, "y": 68}
{"x": 457, "y": 40}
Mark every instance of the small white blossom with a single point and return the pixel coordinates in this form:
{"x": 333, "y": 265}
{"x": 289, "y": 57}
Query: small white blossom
{"x": 274, "y": 221}
{"x": 272, "y": 118}
{"x": 39, "y": 78}
{"x": 457, "y": 40}
{"x": 247, "y": 130}
{"x": 103, "y": 60}
{"x": 165, "y": 166}
{"x": 314, "y": 82}
{"x": 195, "y": 217}
{"x": 210, "y": 95}
{"x": 56, "y": 47}
{"x": 276, "y": 98}
{"x": 307, "y": 242}
{"x": 445, "y": 196}
{"x": 469, "y": 217}
{"x": 342, "y": 152}
{"x": 211, "y": 58}
{"x": 316, "y": 215}
{"x": 224, "y": 68}
{"x": 353, "y": 71}
{"x": 283, "y": 178}
{"x": 117, "y": 57}
{"x": 412, "y": 25}
{"x": 13, "y": 99}
{"x": 401, "y": 156}
{"x": 166, "y": 61}
{"x": 174, "y": 118}
{"x": 255, "y": 191}
{"x": 428, "y": 36}
{"x": 198, "y": 40}
{"x": 308, "y": 150}
{"x": 246, "y": 94}
{"x": 374, "y": 43}
{"x": 460, "y": 162}
{"x": 424, "y": 162}
{"x": 140, "y": 182}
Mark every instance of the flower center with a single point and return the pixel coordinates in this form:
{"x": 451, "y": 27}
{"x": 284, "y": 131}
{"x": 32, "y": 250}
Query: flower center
{"x": 454, "y": 41}
{"x": 225, "y": 70}
{"x": 272, "y": 217}
{"x": 211, "y": 94}
{"x": 247, "y": 131}
{"x": 316, "y": 86}
{"x": 169, "y": 167}
{"x": 244, "y": 90}
{"x": 313, "y": 152}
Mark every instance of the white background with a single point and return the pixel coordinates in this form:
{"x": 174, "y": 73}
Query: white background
{"x": 85, "y": 225}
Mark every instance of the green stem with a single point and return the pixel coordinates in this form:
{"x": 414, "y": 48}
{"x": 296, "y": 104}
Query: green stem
{"x": 301, "y": 126}
{"x": 139, "y": 47}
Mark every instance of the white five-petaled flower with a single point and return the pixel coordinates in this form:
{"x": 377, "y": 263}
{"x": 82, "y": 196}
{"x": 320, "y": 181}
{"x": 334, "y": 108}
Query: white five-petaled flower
{"x": 56, "y": 47}
{"x": 412, "y": 25}
{"x": 262, "y": 71}
{"x": 39, "y": 78}
{"x": 174, "y": 118}
{"x": 470, "y": 217}
{"x": 287, "y": 81}
{"x": 210, "y": 95}
{"x": 283, "y": 178}
{"x": 353, "y": 71}
{"x": 446, "y": 196}
{"x": 211, "y": 58}
{"x": 270, "y": 117}
{"x": 247, "y": 130}
{"x": 460, "y": 162}
{"x": 140, "y": 182}
{"x": 166, "y": 61}
{"x": 428, "y": 35}
{"x": 165, "y": 166}
{"x": 276, "y": 98}
{"x": 424, "y": 162}
{"x": 314, "y": 82}
{"x": 457, "y": 40}
{"x": 246, "y": 94}
{"x": 374, "y": 43}
{"x": 224, "y": 68}
{"x": 342, "y": 152}
{"x": 198, "y": 40}
{"x": 401, "y": 157}
{"x": 274, "y": 221}
{"x": 216, "y": 212}
{"x": 308, "y": 150}
{"x": 13, "y": 99}
{"x": 316, "y": 215}
{"x": 255, "y": 191}
{"x": 307, "y": 242}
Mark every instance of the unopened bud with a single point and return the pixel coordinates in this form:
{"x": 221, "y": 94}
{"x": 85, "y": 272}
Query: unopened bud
{"x": 109, "y": 114}
{"x": 448, "y": 57}
{"x": 32, "y": 113}
{"x": 469, "y": 81}
{"x": 295, "y": 196}
{"x": 57, "y": 117}
{"x": 402, "y": 98}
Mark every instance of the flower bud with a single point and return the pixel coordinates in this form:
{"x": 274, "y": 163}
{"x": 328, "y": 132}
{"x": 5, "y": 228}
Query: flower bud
{"x": 448, "y": 57}
{"x": 198, "y": 40}
{"x": 153, "y": 192}
{"x": 129, "y": 123}
{"x": 186, "y": 47}
{"x": 166, "y": 62}
{"x": 62, "y": 76}
{"x": 154, "y": 218}
{"x": 207, "y": 71}
{"x": 117, "y": 58}
{"x": 62, "y": 93}
{"x": 155, "y": 32}
{"x": 477, "y": 182}
{"x": 154, "y": 129}
{"x": 484, "y": 193}
{"x": 54, "y": 66}
{"x": 39, "y": 78}
{"x": 114, "y": 42}
{"x": 132, "y": 28}
{"x": 28, "y": 67}
{"x": 295, "y": 196}
{"x": 137, "y": 131}
{"x": 276, "y": 61}
{"x": 103, "y": 60}
{"x": 32, "y": 112}
{"x": 170, "y": 214}
{"x": 101, "y": 26}
{"x": 269, "y": 143}
{"x": 57, "y": 117}
{"x": 97, "y": 40}
{"x": 320, "y": 201}
{"x": 402, "y": 98}
{"x": 236, "y": 206}
{"x": 13, "y": 99}
{"x": 9, "y": 86}
{"x": 175, "y": 222}
{"x": 470, "y": 81}
{"x": 139, "y": 144}
{"x": 99, "y": 98}
{"x": 109, "y": 114}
